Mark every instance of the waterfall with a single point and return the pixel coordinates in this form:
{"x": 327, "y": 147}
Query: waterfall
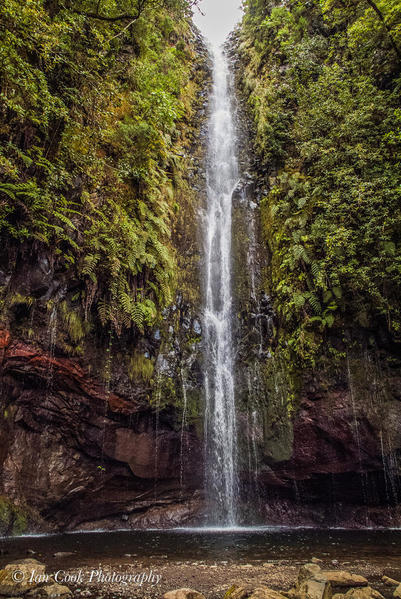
{"x": 220, "y": 417}
{"x": 184, "y": 424}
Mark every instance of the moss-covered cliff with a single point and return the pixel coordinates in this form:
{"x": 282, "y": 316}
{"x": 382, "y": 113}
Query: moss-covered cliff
{"x": 321, "y": 84}
{"x": 102, "y": 129}
{"x": 100, "y": 160}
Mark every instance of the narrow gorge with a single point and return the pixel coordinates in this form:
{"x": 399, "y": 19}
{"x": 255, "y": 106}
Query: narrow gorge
{"x": 200, "y": 268}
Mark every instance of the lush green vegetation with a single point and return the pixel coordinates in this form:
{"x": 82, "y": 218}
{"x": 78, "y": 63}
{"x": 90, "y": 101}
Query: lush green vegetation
{"x": 322, "y": 78}
{"x": 94, "y": 97}
{"x": 13, "y": 519}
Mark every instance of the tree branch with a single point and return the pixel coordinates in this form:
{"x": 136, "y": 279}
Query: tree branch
{"x": 122, "y": 30}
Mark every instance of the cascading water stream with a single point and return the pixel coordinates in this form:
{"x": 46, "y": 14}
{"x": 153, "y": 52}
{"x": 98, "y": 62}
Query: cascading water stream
{"x": 220, "y": 417}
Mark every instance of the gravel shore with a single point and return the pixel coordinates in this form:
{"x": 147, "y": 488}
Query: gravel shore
{"x": 214, "y": 578}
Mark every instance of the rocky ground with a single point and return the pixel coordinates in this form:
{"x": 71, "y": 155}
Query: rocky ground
{"x": 134, "y": 578}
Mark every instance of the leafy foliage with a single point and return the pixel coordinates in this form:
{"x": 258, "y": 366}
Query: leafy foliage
{"x": 92, "y": 96}
{"x": 323, "y": 83}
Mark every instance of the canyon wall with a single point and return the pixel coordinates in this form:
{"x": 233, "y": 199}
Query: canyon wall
{"x": 324, "y": 385}
{"x": 101, "y": 366}
{"x": 100, "y": 372}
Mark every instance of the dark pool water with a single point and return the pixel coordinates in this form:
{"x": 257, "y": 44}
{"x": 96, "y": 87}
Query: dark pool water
{"x": 198, "y": 544}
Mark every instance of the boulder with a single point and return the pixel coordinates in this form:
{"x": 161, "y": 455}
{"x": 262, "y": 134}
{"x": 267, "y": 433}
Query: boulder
{"x": 265, "y": 593}
{"x": 314, "y": 589}
{"x": 21, "y": 576}
{"x": 236, "y": 592}
{"x": 390, "y": 581}
{"x": 49, "y": 592}
{"x": 312, "y": 583}
{"x": 363, "y": 593}
{"x": 248, "y": 592}
{"x": 341, "y": 578}
{"x": 307, "y": 572}
{"x": 183, "y": 594}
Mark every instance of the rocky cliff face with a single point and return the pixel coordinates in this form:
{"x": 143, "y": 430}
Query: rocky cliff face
{"x": 113, "y": 437}
{"x": 318, "y": 446}
{"x": 335, "y": 459}
{"x": 105, "y": 432}
{"x": 75, "y": 454}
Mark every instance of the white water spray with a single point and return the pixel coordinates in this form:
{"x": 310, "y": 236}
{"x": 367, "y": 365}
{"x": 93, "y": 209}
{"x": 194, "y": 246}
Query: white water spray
{"x": 220, "y": 418}
{"x": 184, "y": 424}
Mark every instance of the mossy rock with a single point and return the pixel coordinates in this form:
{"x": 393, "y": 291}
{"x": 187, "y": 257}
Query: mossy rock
{"x": 13, "y": 519}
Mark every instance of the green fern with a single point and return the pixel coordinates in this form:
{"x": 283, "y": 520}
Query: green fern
{"x": 314, "y": 303}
